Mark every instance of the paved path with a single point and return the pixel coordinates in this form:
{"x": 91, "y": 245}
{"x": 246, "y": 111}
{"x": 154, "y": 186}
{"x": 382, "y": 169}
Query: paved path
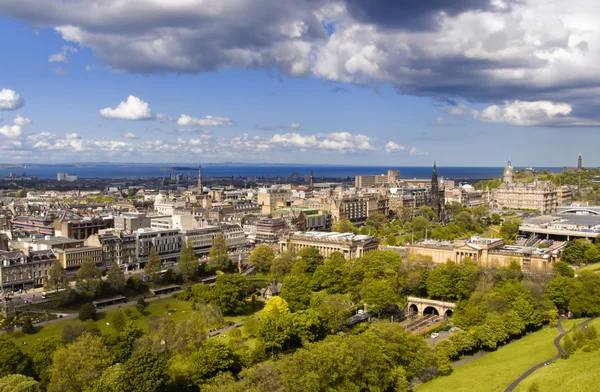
{"x": 561, "y": 333}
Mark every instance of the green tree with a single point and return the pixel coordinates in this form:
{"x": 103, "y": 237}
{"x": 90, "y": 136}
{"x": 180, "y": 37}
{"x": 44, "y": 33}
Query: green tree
{"x": 377, "y": 220}
{"x": 114, "y": 379}
{"x": 230, "y": 292}
{"x": 88, "y": 276}
{"x": 592, "y": 254}
{"x": 275, "y": 305}
{"x": 146, "y": 371}
{"x": 12, "y": 359}
{"x": 118, "y": 321}
{"x": 42, "y": 353}
{"x": 79, "y": 364}
{"x": 333, "y": 274}
{"x": 378, "y": 294}
{"x": 426, "y": 212}
{"x": 296, "y": 291}
{"x": 569, "y": 345}
{"x": 141, "y": 304}
{"x": 342, "y": 226}
{"x": 28, "y": 327}
{"x": 496, "y": 219}
{"x": 311, "y": 256}
{"x": 87, "y": 312}
{"x": 211, "y": 358}
{"x": 574, "y": 252}
{"x": 153, "y": 265}
{"x": 282, "y": 265}
{"x": 418, "y": 227}
{"x": 19, "y": 383}
{"x": 333, "y": 309}
{"x": 57, "y": 277}
{"x": 122, "y": 343}
{"x": 188, "y": 263}
{"x": 74, "y": 330}
{"x": 262, "y": 258}
{"x": 115, "y": 278}
{"x": 133, "y": 283}
{"x": 217, "y": 256}
{"x": 480, "y": 212}
{"x": 453, "y": 209}
{"x": 562, "y": 269}
{"x": 509, "y": 229}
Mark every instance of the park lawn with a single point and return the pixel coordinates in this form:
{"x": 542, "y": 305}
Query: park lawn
{"x": 496, "y": 370}
{"x": 576, "y": 374}
{"x": 590, "y": 268}
{"x": 180, "y": 311}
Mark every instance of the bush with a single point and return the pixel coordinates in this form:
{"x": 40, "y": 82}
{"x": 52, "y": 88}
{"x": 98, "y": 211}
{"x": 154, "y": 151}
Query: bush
{"x": 141, "y": 304}
{"x": 133, "y": 283}
{"x": 28, "y": 327}
{"x": 87, "y": 312}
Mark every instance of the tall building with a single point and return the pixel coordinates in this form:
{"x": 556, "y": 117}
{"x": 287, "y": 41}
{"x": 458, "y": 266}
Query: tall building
{"x": 579, "y": 163}
{"x": 539, "y": 195}
{"x": 436, "y": 200}
{"x": 509, "y": 173}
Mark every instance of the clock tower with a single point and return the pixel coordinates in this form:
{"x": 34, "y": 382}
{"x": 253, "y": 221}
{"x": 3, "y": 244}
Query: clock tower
{"x": 509, "y": 173}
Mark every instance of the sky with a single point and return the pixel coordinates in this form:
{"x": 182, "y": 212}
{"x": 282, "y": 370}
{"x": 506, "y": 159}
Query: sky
{"x": 399, "y": 83}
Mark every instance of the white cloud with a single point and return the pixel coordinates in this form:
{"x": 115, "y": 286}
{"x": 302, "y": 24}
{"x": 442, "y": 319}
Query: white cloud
{"x": 441, "y": 121}
{"x": 10, "y": 100}
{"x": 457, "y": 110}
{"x": 129, "y": 135}
{"x": 59, "y": 71}
{"x": 393, "y": 147}
{"x": 522, "y": 113}
{"x": 132, "y": 109}
{"x": 62, "y": 56}
{"x": 295, "y": 126}
{"x": 478, "y": 50}
{"x": 337, "y": 141}
{"x": 88, "y": 68}
{"x": 11, "y": 131}
{"x": 208, "y": 121}
{"x": 416, "y": 152}
{"x": 19, "y": 120}
{"x": 71, "y": 136}
{"x": 161, "y": 117}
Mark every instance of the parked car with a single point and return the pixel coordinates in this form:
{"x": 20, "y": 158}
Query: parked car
{"x": 435, "y": 335}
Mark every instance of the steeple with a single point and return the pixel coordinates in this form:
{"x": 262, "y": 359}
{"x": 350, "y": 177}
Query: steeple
{"x": 436, "y": 202}
{"x": 312, "y": 179}
{"x": 509, "y": 173}
{"x": 579, "y": 163}
{"x": 200, "y": 188}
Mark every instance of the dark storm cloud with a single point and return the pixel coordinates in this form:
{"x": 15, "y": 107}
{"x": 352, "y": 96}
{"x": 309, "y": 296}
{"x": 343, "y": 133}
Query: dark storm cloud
{"x": 411, "y": 14}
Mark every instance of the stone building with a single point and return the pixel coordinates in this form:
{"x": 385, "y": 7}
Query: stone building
{"x": 539, "y": 195}
{"x": 488, "y": 252}
{"x": 381, "y": 180}
{"x": 357, "y": 208}
{"x": 24, "y": 268}
{"x": 117, "y": 247}
{"x": 350, "y": 245}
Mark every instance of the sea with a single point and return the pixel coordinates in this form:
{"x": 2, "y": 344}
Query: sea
{"x": 121, "y": 171}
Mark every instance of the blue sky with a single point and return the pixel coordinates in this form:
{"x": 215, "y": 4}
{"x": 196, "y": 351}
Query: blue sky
{"x": 192, "y": 93}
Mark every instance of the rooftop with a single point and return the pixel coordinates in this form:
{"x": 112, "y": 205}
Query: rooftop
{"x": 335, "y": 236}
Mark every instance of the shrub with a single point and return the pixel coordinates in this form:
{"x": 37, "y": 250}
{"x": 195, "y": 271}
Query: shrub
{"x": 87, "y": 312}
{"x": 28, "y": 327}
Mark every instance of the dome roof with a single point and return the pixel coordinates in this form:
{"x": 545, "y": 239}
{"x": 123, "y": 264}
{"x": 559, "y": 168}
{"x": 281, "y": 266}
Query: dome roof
{"x": 159, "y": 197}
{"x": 467, "y": 187}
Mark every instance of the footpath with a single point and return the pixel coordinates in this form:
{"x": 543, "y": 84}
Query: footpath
{"x": 561, "y": 333}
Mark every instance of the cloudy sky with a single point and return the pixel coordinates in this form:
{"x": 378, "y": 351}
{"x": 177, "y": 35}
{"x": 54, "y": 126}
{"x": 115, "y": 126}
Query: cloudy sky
{"x": 463, "y": 82}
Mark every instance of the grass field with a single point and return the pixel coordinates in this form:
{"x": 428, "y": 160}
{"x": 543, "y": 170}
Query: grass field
{"x": 180, "y": 311}
{"x": 592, "y": 268}
{"x": 576, "y": 374}
{"x": 496, "y": 370}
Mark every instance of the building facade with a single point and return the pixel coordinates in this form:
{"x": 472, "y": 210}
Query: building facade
{"x": 539, "y": 195}
{"x": 488, "y": 252}
{"x": 24, "y": 269}
{"x": 350, "y": 245}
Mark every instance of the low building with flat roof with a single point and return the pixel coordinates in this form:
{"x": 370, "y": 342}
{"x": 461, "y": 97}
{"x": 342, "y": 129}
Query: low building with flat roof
{"x": 350, "y": 245}
{"x": 488, "y": 252}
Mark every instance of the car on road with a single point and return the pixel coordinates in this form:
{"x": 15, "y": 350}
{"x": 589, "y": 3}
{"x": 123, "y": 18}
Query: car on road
{"x": 435, "y": 335}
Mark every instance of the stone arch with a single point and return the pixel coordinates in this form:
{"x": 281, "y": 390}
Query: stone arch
{"x": 448, "y": 313}
{"x": 413, "y": 309}
{"x": 431, "y": 310}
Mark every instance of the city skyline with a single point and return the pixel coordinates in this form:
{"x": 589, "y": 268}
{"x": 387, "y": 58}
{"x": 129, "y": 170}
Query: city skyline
{"x": 338, "y": 83}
